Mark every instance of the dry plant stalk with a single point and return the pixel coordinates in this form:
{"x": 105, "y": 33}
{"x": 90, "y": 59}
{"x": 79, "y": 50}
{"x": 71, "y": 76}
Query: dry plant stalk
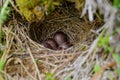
{"x": 25, "y": 56}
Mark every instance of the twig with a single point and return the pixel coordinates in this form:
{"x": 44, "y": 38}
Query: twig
{"x": 14, "y": 6}
{"x": 34, "y": 63}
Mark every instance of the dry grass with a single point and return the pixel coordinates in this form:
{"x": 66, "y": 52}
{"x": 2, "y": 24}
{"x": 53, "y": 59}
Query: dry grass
{"x": 27, "y": 59}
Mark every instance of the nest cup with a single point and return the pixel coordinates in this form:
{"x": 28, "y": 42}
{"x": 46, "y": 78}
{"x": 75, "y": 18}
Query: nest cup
{"x": 65, "y": 19}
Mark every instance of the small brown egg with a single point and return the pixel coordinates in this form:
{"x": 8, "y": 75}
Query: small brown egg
{"x": 60, "y": 38}
{"x": 64, "y": 46}
{"x": 51, "y": 44}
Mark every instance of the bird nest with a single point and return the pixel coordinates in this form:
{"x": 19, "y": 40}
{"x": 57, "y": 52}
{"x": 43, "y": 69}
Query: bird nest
{"x": 64, "y": 19}
{"x": 28, "y": 59}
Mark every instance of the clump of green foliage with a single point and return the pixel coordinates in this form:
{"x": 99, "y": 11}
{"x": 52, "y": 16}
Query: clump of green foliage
{"x": 116, "y": 3}
{"x": 97, "y": 68}
{"x": 50, "y": 76}
{"x": 4, "y": 12}
{"x": 104, "y": 43}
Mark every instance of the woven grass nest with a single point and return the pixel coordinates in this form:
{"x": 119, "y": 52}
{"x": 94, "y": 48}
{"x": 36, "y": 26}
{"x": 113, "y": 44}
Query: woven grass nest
{"x": 65, "y": 19}
{"x": 29, "y": 60}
